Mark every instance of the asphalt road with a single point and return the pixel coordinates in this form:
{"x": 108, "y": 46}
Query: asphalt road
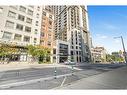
{"x": 36, "y": 73}
{"x": 112, "y": 80}
{"x": 32, "y": 73}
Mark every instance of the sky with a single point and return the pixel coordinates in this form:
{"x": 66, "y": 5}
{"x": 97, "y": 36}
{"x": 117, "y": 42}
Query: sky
{"x": 107, "y": 22}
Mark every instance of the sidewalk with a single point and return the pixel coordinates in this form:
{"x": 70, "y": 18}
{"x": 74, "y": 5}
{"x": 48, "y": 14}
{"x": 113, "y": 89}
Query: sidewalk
{"x": 26, "y": 65}
{"x": 21, "y": 65}
{"x": 116, "y": 79}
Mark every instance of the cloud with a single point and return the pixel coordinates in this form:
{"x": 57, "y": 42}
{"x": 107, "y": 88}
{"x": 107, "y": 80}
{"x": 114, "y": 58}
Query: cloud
{"x": 104, "y": 37}
{"x": 110, "y": 26}
{"x": 99, "y": 36}
{"x": 117, "y": 41}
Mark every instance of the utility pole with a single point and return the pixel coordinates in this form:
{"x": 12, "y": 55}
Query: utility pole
{"x": 125, "y": 56}
{"x": 124, "y": 50}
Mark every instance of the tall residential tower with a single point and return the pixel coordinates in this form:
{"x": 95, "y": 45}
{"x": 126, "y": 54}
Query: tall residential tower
{"x": 72, "y": 33}
{"x": 47, "y": 26}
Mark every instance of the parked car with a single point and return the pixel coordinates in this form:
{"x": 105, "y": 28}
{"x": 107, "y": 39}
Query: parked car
{"x": 69, "y": 63}
{"x": 112, "y": 62}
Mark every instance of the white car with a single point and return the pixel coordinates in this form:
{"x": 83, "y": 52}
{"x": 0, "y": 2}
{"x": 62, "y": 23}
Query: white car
{"x": 69, "y": 63}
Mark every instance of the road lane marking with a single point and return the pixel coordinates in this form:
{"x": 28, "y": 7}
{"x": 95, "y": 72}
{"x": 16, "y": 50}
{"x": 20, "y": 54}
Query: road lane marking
{"x": 30, "y": 81}
{"x": 63, "y": 81}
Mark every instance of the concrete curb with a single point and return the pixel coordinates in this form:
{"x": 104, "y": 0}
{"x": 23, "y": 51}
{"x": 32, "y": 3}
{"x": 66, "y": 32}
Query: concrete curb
{"x": 9, "y": 67}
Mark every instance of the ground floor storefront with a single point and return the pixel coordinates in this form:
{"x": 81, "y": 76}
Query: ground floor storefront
{"x": 13, "y": 58}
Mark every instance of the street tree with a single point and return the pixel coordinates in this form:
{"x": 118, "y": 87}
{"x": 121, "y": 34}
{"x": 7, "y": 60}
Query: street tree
{"x": 42, "y": 54}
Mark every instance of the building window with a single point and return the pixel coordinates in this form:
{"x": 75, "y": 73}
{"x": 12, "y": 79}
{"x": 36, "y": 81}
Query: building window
{"x": 23, "y": 9}
{"x": 19, "y": 27}
{"x": 29, "y": 20}
{"x": 35, "y": 32}
{"x": 21, "y": 17}
{"x": 49, "y": 43}
{"x": 37, "y": 16}
{"x": 54, "y": 51}
{"x": 1, "y": 10}
{"x": 80, "y": 47}
{"x": 12, "y": 14}
{"x": 49, "y": 36}
{"x": 80, "y": 53}
{"x": 72, "y": 53}
{"x": 76, "y": 42}
{"x": 44, "y": 13}
{"x": 28, "y": 29}
{"x": 26, "y": 39}
{"x": 43, "y": 24}
{"x": 42, "y": 42}
{"x": 77, "y": 52}
{"x": 35, "y": 40}
{"x": 37, "y": 23}
{"x": 50, "y": 22}
{"x": 50, "y": 27}
{"x": 9, "y": 24}
{"x": 17, "y": 37}
{"x": 29, "y": 12}
{"x": 63, "y": 49}
{"x": 50, "y": 16}
{"x": 42, "y": 34}
{"x": 7, "y": 35}
{"x": 76, "y": 47}
{"x": 38, "y": 8}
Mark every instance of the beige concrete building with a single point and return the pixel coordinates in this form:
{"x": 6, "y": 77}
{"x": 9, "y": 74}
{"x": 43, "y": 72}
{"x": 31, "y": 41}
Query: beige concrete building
{"x": 63, "y": 29}
{"x": 98, "y": 55}
{"x": 20, "y": 26}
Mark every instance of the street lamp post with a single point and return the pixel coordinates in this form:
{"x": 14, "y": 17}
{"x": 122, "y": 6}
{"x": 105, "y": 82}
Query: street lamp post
{"x": 124, "y": 50}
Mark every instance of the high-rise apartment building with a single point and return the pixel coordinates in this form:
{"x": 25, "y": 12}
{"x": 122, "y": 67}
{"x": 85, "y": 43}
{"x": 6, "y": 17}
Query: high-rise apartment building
{"x": 47, "y": 34}
{"x": 20, "y": 25}
{"x": 63, "y": 29}
{"x": 71, "y": 33}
